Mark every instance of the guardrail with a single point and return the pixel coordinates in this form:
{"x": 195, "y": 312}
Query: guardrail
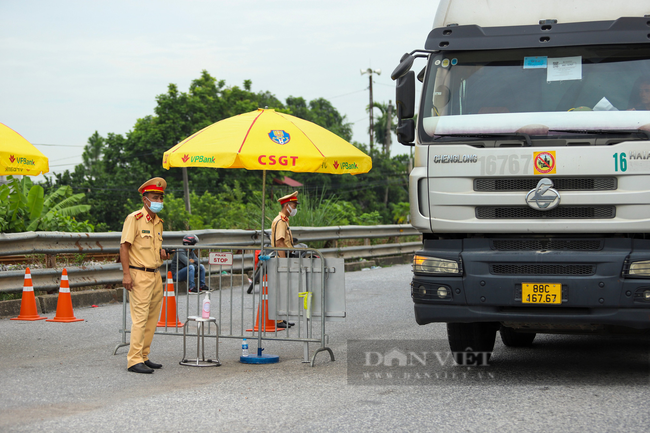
{"x": 52, "y": 243}
{"x": 12, "y": 244}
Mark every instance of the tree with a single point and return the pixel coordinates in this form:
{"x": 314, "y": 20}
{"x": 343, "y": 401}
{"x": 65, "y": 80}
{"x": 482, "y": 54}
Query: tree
{"x": 381, "y": 125}
{"x": 92, "y": 154}
{"x": 24, "y": 207}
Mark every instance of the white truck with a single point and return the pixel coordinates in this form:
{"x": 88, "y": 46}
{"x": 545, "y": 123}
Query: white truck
{"x": 531, "y": 179}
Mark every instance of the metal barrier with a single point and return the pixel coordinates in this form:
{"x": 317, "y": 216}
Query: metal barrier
{"x": 81, "y": 243}
{"x": 229, "y": 286}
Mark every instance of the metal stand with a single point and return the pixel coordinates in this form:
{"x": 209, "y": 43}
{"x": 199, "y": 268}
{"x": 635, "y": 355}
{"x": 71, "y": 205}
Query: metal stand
{"x": 200, "y": 343}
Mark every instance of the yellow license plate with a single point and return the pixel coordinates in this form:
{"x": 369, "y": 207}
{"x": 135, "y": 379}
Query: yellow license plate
{"x": 541, "y": 293}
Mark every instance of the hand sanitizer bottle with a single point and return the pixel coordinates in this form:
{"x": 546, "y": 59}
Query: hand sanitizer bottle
{"x": 206, "y": 307}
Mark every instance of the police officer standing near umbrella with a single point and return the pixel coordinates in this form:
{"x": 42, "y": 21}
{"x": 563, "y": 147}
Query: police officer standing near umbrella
{"x": 281, "y": 236}
{"x": 281, "y": 233}
{"x": 141, "y": 255}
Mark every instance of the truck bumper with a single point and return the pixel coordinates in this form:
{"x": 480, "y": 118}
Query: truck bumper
{"x": 594, "y": 292}
{"x": 629, "y": 318}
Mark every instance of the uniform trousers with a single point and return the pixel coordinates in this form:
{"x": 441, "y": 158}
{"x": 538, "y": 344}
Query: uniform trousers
{"x": 145, "y": 300}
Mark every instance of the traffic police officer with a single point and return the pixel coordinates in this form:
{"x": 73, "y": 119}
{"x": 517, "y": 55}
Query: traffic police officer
{"x": 141, "y": 255}
{"x": 281, "y": 233}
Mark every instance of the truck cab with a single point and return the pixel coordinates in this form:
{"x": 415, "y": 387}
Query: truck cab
{"x": 531, "y": 179}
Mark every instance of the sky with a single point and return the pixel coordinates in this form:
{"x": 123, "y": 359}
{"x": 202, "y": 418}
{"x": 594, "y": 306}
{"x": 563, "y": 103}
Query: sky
{"x": 70, "y": 68}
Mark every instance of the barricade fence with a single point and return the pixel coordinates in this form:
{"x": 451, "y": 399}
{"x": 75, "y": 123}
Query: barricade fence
{"x": 288, "y": 299}
{"x": 53, "y": 243}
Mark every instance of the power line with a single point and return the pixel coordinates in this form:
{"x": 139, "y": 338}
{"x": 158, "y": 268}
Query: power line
{"x": 58, "y": 145}
{"x": 346, "y": 94}
{"x": 64, "y": 159}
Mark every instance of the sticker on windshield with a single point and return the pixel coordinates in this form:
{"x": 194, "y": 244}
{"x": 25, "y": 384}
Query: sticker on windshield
{"x": 535, "y": 62}
{"x": 437, "y": 62}
{"x": 454, "y": 62}
{"x": 564, "y": 69}
{"x": 544, "y": 162}
{"x": 445, "y": 63}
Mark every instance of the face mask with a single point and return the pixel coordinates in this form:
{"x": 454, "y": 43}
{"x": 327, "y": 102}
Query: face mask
{"x": 155, "y": 206}
{"x": 293, "y": 211}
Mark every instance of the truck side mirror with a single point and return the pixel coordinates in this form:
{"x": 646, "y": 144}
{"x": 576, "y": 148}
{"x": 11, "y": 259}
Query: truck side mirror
{"x": 405, "y": 96}
{"x": 406, "y": 62}
{"x": 406, "y": 131}
{"x": 405, "y": 101}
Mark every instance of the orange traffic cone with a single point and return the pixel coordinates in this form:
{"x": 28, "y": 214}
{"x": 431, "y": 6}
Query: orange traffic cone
{"x": 168, "y": 311}
{"x": 269, "y": 325}
{"x": 64, "y": 311}
{"x": 28, "y": 303}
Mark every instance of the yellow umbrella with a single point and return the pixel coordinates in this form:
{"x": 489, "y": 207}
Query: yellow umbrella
{"x": 19, "y": 156}
{"x": 268, "y": 140}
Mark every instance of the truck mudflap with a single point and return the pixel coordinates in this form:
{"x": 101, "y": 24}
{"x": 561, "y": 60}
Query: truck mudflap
{"x": 585, "y": 282}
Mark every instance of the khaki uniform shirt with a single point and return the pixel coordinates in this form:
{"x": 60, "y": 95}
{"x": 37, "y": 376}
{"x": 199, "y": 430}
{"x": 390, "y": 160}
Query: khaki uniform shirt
{"x": 145, "y": 236}
{"x": 280, "y": 230}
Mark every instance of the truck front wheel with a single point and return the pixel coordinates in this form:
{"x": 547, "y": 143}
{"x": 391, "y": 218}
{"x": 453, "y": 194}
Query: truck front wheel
{"x": 471, "y": 343}
{"x": 512, "y": 338}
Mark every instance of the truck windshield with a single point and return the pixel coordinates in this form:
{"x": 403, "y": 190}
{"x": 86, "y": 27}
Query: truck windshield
{"x": 561, "y": 79}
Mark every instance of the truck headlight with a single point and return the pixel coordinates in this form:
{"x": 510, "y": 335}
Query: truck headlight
{"x": 639, "y": 269}
{"x": 434, "y": 265}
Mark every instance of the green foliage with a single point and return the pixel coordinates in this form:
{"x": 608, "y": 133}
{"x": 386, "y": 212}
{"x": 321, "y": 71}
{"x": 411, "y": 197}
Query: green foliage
{"x": 24, "y": 207}
{"x": 56, "y": 222}
{"x": 401, "y": 212}
{"x": 370, "y": 219}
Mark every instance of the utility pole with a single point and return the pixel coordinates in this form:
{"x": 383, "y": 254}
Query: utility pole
{"x": 186, "y": 191}
{"x": 371, "y": 130}
{"x": 389, "y": 127}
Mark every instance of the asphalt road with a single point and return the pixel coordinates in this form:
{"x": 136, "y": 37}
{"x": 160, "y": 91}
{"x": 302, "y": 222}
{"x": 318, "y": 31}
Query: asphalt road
{"x": 59, "y": 377}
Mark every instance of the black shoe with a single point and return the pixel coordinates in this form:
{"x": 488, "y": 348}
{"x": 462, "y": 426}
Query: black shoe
{"x": 192, "y": 290}
{"x": 152, "y": 364}
{"x": 284, "y": 324}
{"x": 204, "y": 288}
{"x": 140, "y": 368}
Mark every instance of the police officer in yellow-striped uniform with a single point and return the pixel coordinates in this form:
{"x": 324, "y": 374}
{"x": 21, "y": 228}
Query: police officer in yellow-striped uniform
{"x": 281, "y": 236}
{"x": 141, "y": 255}
{"x": 281, "y": 232}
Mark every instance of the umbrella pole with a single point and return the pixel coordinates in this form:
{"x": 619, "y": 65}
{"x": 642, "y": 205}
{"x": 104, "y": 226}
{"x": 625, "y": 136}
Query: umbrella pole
{"x": 262, "y": 314}
{"x": 263, "y": 207}
{"x": 261, "y": 318}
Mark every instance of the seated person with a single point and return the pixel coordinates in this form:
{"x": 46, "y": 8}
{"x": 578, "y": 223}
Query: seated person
{"x": 640, "y": 98}
{"x": 187, "y": 261}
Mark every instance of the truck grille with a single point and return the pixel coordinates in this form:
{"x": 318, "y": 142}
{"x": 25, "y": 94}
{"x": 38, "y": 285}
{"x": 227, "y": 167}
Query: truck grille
{"x": 561, "y": 212}
{"x": 560, "y": 184}
{"x": 542, "y": 269}
{"x": 546, "y": 245}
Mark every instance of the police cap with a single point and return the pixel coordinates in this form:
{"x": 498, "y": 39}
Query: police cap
{"x": 157, "y": 184}
{"x": 288, "y": 198}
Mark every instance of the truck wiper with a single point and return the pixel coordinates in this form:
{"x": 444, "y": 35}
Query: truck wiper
{"x": 636, "y": 132}
{"x": 478, "y": 136}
